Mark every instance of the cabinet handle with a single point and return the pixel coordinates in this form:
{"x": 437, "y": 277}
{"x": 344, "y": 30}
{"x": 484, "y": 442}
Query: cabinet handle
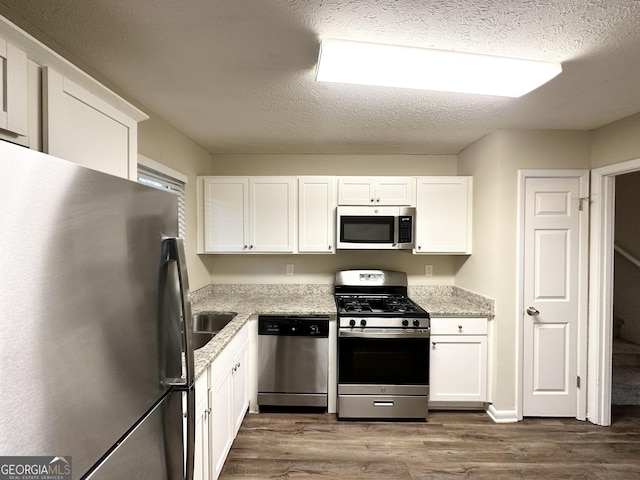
{"x": 329, "y": 248}
{"x": 434, "y": 344}
{"x": 245, "y": 247}
{"x": 419, "y": 247}
{"x": 250, "y": 246}
{"x": 460, "y": 327}
{"x": 378, "y": 200}
{"x": 372, "y": 200}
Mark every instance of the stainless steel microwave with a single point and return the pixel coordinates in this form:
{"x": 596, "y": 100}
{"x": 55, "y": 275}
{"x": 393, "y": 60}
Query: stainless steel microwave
{"x": 375, "y": 227}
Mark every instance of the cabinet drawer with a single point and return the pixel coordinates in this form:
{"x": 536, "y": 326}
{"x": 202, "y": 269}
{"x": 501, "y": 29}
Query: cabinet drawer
{"x": 459, "y": 326}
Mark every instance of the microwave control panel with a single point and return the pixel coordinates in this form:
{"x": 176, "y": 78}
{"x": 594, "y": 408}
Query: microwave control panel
{"x": 405, "y": 229}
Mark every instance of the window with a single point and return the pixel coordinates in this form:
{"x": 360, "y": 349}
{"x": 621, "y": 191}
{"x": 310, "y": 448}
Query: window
{"x": 164, "y": 178}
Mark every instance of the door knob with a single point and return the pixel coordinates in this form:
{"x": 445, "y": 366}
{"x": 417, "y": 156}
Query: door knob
{"x": 533, "y": 312}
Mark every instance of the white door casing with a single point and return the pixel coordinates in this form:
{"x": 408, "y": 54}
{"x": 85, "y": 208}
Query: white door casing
{"x": 601, "y": 288}
{"x": 554, "y": 228}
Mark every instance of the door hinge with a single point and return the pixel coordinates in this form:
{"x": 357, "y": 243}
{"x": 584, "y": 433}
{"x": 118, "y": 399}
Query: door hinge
{"x": 578, "y": 382}
{"x": 582, "y": 199}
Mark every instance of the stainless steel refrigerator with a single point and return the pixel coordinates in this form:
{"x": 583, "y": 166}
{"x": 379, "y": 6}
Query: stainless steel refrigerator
{"x": 96, "y": 361}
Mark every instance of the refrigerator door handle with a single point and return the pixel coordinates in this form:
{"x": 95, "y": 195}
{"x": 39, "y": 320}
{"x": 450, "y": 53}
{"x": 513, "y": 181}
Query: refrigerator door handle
{"x": 175, "y": 252}
{"x": 174, "y": 248}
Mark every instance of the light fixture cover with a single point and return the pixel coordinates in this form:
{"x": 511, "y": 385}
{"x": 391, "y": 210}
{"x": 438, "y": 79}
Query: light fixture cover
{"x": 346, "y": 61}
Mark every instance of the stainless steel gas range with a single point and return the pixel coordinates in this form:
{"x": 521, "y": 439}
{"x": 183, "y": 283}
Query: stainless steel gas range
{"x": 383, "y": 347}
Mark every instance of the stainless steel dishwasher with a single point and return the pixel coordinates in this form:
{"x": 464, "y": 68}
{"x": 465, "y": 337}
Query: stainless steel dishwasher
{"x": 293, "y": 352}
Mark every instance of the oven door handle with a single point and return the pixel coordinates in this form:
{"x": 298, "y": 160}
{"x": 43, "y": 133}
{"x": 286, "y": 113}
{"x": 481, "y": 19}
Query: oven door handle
{"x": 371, "y": 333}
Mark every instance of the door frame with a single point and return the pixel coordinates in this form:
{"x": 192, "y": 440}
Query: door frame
{"x": 581, "y": 408}
{"x": 601, "y": 288}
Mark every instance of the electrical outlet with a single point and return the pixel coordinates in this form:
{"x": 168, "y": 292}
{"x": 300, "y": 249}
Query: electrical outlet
{"x": 428, "y": 270}
{"x": 290, "y": 269}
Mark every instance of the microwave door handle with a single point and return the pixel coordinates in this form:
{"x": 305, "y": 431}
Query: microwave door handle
{"x": 396, "y": 230}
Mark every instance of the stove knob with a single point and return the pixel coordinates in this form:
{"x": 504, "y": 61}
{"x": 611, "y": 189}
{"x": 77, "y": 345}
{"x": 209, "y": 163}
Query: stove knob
{"x": 405, "y": 323}
{"x": 352, "y": 323}
{"x": 416, "y": 323}
{"x": 363, "y": 323}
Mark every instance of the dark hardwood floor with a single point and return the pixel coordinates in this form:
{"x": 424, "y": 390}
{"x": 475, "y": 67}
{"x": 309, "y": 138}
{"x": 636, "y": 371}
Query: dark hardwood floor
{"x": 450, "y": 445}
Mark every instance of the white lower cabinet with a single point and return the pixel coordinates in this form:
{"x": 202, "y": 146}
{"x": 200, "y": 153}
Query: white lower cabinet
{"x": 221, "y": 429}
{"x": 201, "y": 460}
{"x": 228, "y": 398}
{"x": 458, "y": 362}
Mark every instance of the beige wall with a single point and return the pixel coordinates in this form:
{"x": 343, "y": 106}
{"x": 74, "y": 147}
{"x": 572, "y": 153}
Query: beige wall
{"x": 316, "y": 164}
{"x": 321, "y": 268}
{"x": 161, "y": 142}
{"x": 491, "y": 270}
{"x": 616, "y": 142}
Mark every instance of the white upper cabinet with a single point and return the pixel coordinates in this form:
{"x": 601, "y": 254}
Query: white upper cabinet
{"x": 316, "y": 214}
{"x": 248, "y": 214}
{"x": 376, "y": 190}
{"x": 272, "y": 214}
{"x": 83, "y": 128}
{"x": 444, "y": 215}
{"x": 13, "y": 89}
{"x": 49, "y": 104}
{"x": 226, "y": 214}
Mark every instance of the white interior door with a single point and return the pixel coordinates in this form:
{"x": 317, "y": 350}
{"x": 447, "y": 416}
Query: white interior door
{"x": 554, "y": 292}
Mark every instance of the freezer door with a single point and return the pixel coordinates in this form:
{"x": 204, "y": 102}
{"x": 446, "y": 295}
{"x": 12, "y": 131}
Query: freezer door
{"x": 90, "y": 315}
{"x": 153, "y": 450}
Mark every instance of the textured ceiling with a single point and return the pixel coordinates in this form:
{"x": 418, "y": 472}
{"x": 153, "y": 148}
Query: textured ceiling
{"x": 238, "y": 75}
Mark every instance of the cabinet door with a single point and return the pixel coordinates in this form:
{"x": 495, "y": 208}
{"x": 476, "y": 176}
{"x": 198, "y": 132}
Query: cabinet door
{"x": 13, "y": 89}
{"x": 356, "y": 191}
{"x": 316, "y": 214}
{"x": 240, "y": 387}
{"x": 201, "y": 458}
{"x": 458, "y": 368}
{"x": 443, "y": 209}
{"x": 221, "y": 433}
{"x": 394, "y": 190}
{"x": 226, "y": 214}
{"x": 272, "y": 214}
{"x": 82, "y": 128}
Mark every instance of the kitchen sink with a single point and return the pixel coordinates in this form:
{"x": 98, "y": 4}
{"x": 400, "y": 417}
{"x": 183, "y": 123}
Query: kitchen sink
{"x": 207, "y": 324}
{"x": 211, "y": 322}
{"x": 200, "y": 339}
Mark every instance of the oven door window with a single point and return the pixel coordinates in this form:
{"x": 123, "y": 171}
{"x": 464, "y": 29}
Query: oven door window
{"x": 365, "y": 229}
{"x": 383, "y": 361}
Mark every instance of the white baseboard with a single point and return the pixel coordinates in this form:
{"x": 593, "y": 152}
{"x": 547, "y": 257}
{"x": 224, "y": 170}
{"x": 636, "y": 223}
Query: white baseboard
{"x": 502, "y": 416}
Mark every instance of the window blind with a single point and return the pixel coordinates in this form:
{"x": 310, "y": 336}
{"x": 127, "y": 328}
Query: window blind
{"x": 162, "y": 181}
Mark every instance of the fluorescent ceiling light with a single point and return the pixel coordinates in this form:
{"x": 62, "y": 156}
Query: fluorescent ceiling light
{"x": 345, "y": 61}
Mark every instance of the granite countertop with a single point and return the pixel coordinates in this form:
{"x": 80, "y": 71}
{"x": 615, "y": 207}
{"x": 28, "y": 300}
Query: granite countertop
{"x": 451, "y": 301}
{"x": 282, "y": 299}
{"x": 247, "y": 300}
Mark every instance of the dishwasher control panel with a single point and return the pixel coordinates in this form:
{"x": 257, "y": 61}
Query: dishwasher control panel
{"x": 298, "y": 325}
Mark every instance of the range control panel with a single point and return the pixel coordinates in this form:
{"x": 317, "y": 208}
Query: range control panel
{"x": 294, "y": 326}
